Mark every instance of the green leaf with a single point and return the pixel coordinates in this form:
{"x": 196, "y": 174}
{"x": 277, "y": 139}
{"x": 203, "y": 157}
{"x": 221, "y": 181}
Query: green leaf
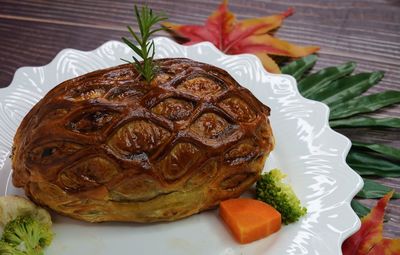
{"x": 373, "y": 189}
{"x": 146, "y": 49}
{"x": 139, "y": 19}
{"x": 321, "y": 80}
{"x": 138, "y": 40}
{"x": 364, "y": 104}
{"x": 132, "y": 46}
{"x": 379, "y": 148}
{"x": 366, "y": 122}
{"x": 360, "y": 209}
{"x": 298, "y": 67}
{"x": 347, "y": 88}
{"x": 366, "y": 164}
{"x": 156, "y": 30}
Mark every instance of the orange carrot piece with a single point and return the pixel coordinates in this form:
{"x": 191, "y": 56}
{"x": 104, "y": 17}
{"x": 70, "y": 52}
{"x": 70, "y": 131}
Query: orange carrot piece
{"x": 249, "y": 219}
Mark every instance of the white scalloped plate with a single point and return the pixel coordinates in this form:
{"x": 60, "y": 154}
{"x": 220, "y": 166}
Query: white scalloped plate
{"x": 307, "y": 149}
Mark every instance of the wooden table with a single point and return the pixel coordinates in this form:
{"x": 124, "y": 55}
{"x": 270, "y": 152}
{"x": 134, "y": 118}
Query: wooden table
{"x": 366, "y": 31}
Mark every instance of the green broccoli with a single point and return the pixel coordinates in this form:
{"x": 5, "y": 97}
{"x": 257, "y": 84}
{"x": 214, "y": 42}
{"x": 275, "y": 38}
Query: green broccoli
{"x": 27, "y": 235}
{"x": 8, "y": 249}
{"x": 271, "y": 190}
{"x": 27, "y": 227}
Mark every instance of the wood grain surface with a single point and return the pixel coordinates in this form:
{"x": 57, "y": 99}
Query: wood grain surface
{"x": 32, "y": 32}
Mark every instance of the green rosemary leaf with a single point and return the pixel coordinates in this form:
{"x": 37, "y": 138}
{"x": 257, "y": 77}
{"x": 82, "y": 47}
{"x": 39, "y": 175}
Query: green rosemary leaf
{"x": 373, "y": 189}
{"x": 152, "y": 48}
{"x": 156, "y": 30}
{"x": 139, "y": 19}
{"x": 364, "y": 104}
{"x": 321, "y": 80}
{"x": 389, "y": 151}
{"x": 366, "y": 122}
{"x": 298, "y": 67}
{"x": 135, "y": 36}
{"x": 132, "y": 46}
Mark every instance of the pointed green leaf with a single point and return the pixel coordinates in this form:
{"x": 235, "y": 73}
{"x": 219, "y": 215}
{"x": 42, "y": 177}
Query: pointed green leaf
{"x": 139, "y": 41}
{"x": 127, "y": 61}
{"x": 373, "y": 189}
{"x": 321, "y": 80}
{"x": 134, "y": 34}
{"x": 298, "y": 67}
{"x": 360, "y": 209}
{"x": 139, "y": 20}
{"x": 347, "y": 88}
{"x": 132, "y": 46}
{"x": 364, "y": 104}
{"x": 156, "y": 30}
{"x": 379, "y": 148}
{"x": 366, "y": 164}
{"x": 366, "y": 122}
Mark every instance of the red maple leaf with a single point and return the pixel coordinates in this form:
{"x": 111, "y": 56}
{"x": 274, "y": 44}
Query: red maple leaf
{"x": 369, "y": 239}
{"x": 246, "y": 36}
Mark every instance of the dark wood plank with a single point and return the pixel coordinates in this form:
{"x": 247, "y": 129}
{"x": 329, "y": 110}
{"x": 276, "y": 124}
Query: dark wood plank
{"x": 32, "y": 32}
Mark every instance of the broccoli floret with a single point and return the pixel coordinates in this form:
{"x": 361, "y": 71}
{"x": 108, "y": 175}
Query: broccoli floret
{"x": 279, "y": 195}
{"x": 7, "y": 249}
{"x": 27, "y": 227}
{"x": 26, "y": 236}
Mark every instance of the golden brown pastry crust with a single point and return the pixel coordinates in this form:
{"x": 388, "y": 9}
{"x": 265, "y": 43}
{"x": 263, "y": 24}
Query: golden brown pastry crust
{"x": 106, "y": 146}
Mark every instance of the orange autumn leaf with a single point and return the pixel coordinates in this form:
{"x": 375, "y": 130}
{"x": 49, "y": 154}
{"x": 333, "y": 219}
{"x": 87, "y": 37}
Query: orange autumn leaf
{"x": 246, "y": 36}
{"x": 386, "y": 247}
{"x": 368, "y": 240}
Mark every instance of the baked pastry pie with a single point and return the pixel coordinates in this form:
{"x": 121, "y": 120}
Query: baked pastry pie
{"x": 107, "y": 146}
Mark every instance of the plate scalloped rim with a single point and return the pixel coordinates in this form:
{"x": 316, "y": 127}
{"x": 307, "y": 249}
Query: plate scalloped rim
{"x": 321, "y": 167}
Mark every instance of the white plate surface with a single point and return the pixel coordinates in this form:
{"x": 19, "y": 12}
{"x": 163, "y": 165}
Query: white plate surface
{"x": 307, "y": 149}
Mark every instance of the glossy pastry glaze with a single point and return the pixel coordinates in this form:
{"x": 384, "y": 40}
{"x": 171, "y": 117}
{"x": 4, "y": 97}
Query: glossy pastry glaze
{"x": 106, "y": 146}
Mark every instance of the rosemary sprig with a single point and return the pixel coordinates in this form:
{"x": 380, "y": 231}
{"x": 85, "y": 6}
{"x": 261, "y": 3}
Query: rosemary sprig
{"x": 146, "y": 20}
